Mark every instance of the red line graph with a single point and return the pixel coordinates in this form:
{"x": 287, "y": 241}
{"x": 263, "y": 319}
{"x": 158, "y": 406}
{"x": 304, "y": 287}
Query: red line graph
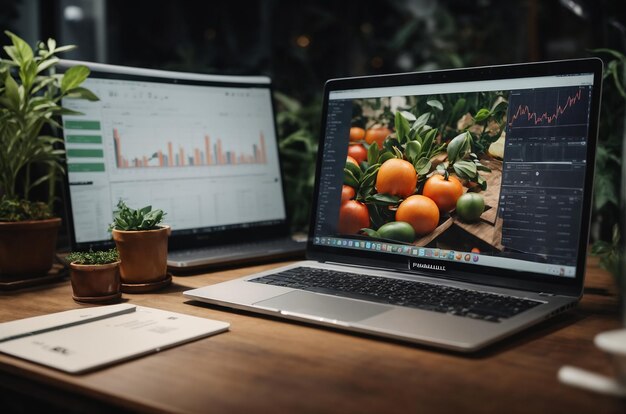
{"x": 524, "y": 110}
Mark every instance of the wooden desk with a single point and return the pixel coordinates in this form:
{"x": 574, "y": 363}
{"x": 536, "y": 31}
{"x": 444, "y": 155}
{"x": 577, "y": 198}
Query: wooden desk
{"x": 271, "y": 365}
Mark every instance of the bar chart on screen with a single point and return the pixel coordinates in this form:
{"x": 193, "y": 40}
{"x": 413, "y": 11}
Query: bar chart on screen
{"x": 186, "y": 141}
{"x": 205, "y": 153}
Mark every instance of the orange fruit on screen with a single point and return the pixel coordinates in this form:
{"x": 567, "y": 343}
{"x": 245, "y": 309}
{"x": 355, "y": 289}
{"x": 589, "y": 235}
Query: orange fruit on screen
{"x": 444, "y": 193}
{"x": 420, "y": 212}
{"x": 347, "y": 193}
{"x": 357, "y": 134}
{"x": 353, "y": 216}
{"x": 358, "y": 152}
{"x": 396, "y": 177}
{"x": 352, "y": 160}
{"x": 377, "y": 135}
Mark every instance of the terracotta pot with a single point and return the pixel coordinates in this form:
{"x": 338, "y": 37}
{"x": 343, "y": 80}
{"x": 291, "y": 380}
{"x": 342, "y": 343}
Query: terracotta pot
{"x": 95, "y": 283}
{"x": 143, "y": 255}
{"x": 27, "y": 247}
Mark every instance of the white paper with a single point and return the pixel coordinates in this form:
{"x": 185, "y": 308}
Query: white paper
{"x": 40, "y": 324}
{"x": 87, "y": 346}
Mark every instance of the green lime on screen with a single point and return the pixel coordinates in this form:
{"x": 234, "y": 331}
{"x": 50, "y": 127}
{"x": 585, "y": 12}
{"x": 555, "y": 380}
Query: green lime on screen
{"x": 470, "y": 206}
{"x": 397, "y": 230}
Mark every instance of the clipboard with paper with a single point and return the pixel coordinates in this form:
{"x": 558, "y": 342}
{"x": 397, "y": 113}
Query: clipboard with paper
{"x": 82, "y": 340}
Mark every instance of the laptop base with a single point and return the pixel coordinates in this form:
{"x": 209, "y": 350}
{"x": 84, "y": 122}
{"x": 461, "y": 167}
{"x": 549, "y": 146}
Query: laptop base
{"x": 193, "y": 260}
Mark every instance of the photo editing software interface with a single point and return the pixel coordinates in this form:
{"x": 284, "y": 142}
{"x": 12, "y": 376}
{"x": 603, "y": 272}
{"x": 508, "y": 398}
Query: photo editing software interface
{"x": 486, "y": 173}
{"x": 204, "y": 153}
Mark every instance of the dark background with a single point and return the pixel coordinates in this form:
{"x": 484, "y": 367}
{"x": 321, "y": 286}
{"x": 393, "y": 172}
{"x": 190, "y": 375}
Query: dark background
{"x": 301, "y": 44}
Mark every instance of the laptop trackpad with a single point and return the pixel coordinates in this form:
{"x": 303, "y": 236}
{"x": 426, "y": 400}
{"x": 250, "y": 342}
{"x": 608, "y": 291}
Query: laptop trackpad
{"x": 322, "y": 306}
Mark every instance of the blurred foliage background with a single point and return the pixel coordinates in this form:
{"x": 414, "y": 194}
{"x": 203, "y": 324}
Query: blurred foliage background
{"x": 302, "y": 44}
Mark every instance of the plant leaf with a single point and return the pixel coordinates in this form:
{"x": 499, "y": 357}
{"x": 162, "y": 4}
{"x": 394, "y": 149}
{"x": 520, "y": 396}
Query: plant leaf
{"x": 73, "y": 77}
{"x": 391, "y": 143}
{"x": 11, "y": 90}
{"x": 145, "y": 210}
{"x": 372, "y": 154}
{"x": 413, "y": 150}
{"x": 82, "y": 93}
{"x": 422, "y": 120}
{"x": 368, "y": 180}
{"x": 370, "y": 232}
{"x": 64, "y": 48}
{"x": 422, "y": 166}
{"x": 457, "y": 147}
{"x": 402, "y": 127}
{"x": 482, "y": 182}
{"x": 385, "y": 156}
{"x": 408, "y": 116}
{"x": 434, "y": 103}
{"x": 22, "y": 51}
{"x": 350, "y": 179}
{"x": 482, "y": 114}
{"x": 465, "y": 169}
{"x": 427, "y": 144}
{"x": 354, "y": 169}
{"x": 52, "y": 44}
{"x": 67, "y": 111}
{"x": 45, "y": 64}
{"x": 612, "y": 52}
{"x": 383, "y": 199}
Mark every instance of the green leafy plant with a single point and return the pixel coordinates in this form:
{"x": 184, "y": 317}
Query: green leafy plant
{"x": 606, "y": 202}
{"x": 609, "y": 152}
{"x": 127, "y": 219}
{"x": 463, "y": 161}
{"x": 30, "y": 99}
{"x": 20, "y": 210}
{"x": 298, "y": 129}
{"x": 94, "y": 258}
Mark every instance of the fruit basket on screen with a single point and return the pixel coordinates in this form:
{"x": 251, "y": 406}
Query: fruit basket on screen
{"x": 426, "y": 171}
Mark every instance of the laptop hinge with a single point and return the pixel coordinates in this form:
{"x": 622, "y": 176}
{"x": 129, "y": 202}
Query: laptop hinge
{"x": 546, "y": 294}
{"x": 357, "y": 266}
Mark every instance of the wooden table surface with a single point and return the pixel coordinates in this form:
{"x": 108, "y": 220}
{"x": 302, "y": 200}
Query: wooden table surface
{"x": 273, "y": 365}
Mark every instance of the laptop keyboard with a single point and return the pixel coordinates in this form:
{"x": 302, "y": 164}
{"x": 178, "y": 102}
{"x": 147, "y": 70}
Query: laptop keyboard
{"x": 426, "y": 296}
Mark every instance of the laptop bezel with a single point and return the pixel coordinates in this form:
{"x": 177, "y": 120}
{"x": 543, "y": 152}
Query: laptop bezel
{"x": 190, "y": 240}
{"x": 458, "y": 271}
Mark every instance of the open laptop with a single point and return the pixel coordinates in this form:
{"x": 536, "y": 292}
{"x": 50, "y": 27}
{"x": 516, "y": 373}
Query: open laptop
{"x": 461, "y": 285}
{"x": 202, "y": 148}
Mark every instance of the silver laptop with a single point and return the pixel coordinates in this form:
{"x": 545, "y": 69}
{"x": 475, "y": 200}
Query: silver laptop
{"x": 203, "y": 148}
{"x": 508, "y": 253}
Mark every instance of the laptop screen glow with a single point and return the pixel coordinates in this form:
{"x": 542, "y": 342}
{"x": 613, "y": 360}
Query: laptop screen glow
{"x": 201, "y": 148}
{"x": 526, "y": 138}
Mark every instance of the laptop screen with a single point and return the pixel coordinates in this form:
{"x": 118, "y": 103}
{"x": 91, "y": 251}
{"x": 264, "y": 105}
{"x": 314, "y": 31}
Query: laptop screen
{"x": 490, "y": 174}
{"x": 201, "y": 148}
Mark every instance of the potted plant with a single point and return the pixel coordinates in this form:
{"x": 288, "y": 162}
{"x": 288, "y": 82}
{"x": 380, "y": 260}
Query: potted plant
{"x": 30, "y": 98}
{"x": 95, "y": 276}
{"x": 141, "y": 240}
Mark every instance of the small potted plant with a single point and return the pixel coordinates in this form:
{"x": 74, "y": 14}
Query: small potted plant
{"x": 141, "y": 240}
{"x": 30, "y": 99}
{"x": 95, "y": 276}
